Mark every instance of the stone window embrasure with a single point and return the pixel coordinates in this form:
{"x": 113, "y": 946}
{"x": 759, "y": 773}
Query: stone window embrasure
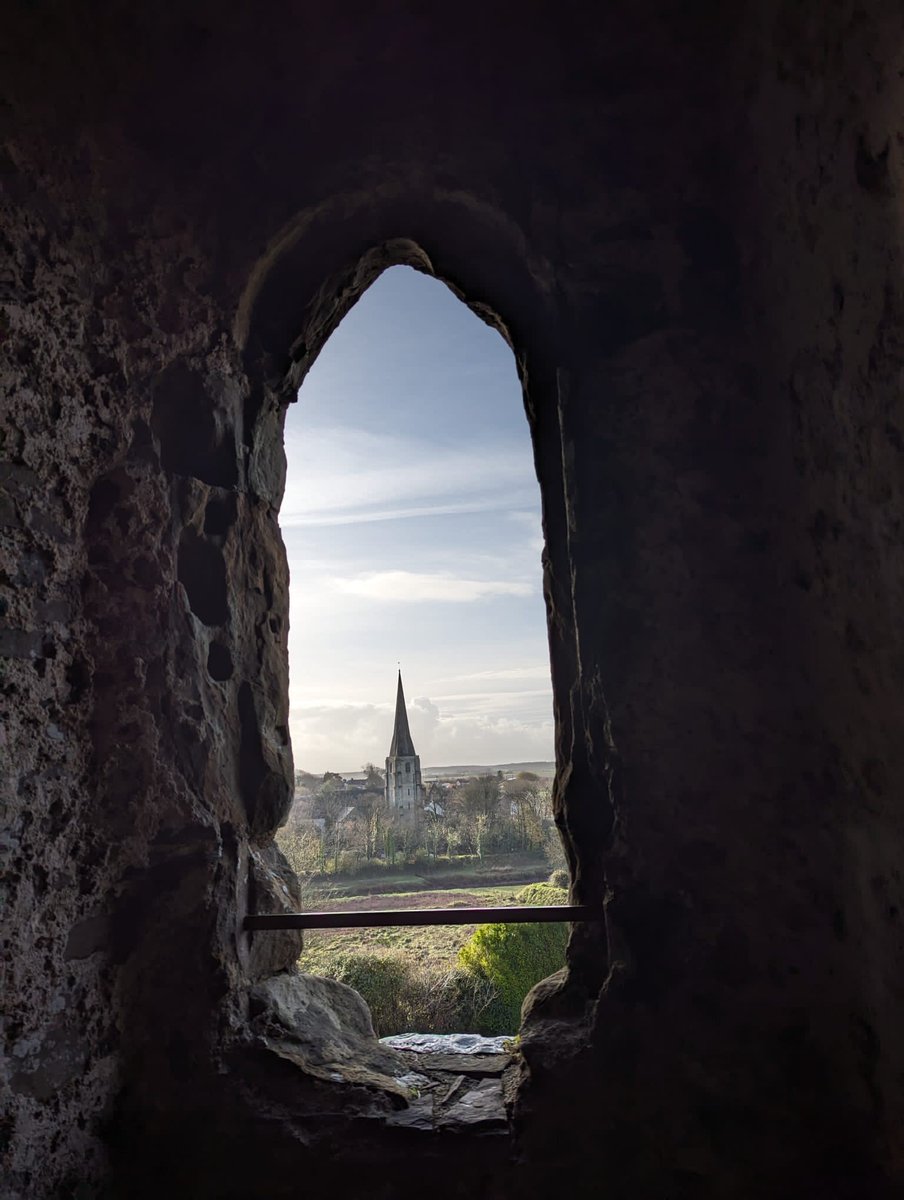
{"x": 264, "y": 315}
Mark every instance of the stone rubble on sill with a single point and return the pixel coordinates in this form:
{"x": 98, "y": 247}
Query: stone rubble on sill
{"x": 448, "y": 1043}
{"x": 464, "y": 1086}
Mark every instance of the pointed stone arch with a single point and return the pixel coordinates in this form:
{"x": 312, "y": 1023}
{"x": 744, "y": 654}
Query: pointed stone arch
{"x": 311, "y": 274}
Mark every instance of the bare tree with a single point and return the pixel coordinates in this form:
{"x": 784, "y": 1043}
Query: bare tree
{"x": 371, "y": 809}
{"x": 481, "y": 797}
{"x": 530, "y": 809}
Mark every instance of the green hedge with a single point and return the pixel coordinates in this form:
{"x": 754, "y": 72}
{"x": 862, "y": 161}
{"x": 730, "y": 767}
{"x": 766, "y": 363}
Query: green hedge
{"x": 411, "y": 997}
{"x": 497, "y": 967}
{"x": 512, "y": 958}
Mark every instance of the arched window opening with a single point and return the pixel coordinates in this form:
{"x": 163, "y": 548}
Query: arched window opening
{"x": 411, "y": 520}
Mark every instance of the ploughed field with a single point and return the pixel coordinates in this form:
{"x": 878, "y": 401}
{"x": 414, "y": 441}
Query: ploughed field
{"x": 436, "y": 945}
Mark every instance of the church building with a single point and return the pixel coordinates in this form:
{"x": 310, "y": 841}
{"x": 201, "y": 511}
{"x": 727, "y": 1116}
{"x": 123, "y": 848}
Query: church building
{"x": 404, "y": 790}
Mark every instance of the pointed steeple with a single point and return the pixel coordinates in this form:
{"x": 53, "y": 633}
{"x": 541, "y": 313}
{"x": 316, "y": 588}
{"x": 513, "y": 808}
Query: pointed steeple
{"x": 404, "y": 790}
{"x": 402, "y": 745}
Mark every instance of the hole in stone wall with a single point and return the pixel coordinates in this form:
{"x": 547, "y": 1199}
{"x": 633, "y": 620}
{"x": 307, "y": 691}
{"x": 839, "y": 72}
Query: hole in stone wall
{"x": 412, "y": 526}
{"x": 219, "y": 662}
{"x": 220, "y": 515}
{"x": 202, "y": 572}
{"x": 185, "y": 420}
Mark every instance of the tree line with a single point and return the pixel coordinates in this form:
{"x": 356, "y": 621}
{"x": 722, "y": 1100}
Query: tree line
{"x": 346, "y": 827}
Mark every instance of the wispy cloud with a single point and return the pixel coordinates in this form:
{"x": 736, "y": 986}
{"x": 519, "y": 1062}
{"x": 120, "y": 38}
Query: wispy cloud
{"x": 363, "y": 516}
{"x": 343, "y": 475}
{"x": 412, "y": 587}
{"x": 412, "y": 528}
{"x": 539, "y": 671}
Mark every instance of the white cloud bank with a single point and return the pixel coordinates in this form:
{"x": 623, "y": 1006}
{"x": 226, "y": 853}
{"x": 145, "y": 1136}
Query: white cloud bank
{"x": 412, "y": 524}
{"x": 413, "y": 587}
{"x": 342, "y": 737}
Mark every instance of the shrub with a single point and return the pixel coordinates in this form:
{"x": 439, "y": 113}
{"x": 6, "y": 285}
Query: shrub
{"x": 512, "y": 958}
{"x": 542, "y": 893}
{"x": 386, "y": 983}
{"x": 406, "y": 997}
{"x": 473, "y": 1005}
{"x": 552, "y": 846}
{"x": 348, "y": 863}
{"x": 483, "y": 994}
{"x": 560, "y": 878}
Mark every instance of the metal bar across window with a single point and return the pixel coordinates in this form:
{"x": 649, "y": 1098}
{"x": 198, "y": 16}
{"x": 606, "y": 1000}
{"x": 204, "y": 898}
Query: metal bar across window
{"x": 424, "y": 916}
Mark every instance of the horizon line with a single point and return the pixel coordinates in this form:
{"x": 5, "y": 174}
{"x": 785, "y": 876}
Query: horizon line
{"x": 545, "y": 762}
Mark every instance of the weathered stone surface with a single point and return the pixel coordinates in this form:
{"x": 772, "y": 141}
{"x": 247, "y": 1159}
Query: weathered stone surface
{"x": 417, "y": 1115}
{"x": 328, "y": 1022}
{"x": 324, "y": 1028}
{"x": 348, "y": 1070}
{"x": 274, "y": 889}
{"x": 447, "y": 1043}
{"x": 687, "y": 221}
{"x": 476, "y": 1107}
{"x": 465, "y": 1064}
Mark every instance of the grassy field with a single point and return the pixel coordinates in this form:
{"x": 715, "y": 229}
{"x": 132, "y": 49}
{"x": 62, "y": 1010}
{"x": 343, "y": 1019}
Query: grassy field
{"x": 444, "y": 877}
{"x": 437, "y": 945}
{"x": 413, "y": 979}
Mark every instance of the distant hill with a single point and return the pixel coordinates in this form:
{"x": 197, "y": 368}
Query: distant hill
{"x": 546, "y": 770}
{"x": 543, "y": 769}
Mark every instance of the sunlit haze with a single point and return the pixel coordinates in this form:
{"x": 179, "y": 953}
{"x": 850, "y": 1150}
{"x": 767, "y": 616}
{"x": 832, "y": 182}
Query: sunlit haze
{"x": 412, "y": 524}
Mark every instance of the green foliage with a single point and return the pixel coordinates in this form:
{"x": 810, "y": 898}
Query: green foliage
{"x": 414, "y": 980}
{"x": 406, "y": 997}
{"x": 385, "y": 982}
{"x": 512, "y": 958}
{"x": 475, "y": 1005}
{"x": 560, "y": 878}
{"x": 543, "y": 893}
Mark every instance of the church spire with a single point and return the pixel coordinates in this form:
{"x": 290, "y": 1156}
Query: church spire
{"x": 401, "y": 734}
{"x": 404, "y": 790}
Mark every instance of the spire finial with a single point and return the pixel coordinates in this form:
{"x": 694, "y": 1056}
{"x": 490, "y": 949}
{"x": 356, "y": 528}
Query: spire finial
{"x": 401, "y": 737}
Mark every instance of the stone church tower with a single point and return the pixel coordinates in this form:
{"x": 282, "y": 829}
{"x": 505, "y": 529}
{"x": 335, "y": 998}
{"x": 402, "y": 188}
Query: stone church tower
{"x": 404, "y": 790}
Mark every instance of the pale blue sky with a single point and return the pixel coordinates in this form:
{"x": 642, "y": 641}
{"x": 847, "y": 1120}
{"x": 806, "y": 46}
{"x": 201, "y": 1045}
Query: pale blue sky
{"x": 412, "y": 524}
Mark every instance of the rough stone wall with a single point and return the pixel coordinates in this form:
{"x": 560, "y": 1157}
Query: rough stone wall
{"x": 688, "y": 220}
{"x": 145, "y": 682}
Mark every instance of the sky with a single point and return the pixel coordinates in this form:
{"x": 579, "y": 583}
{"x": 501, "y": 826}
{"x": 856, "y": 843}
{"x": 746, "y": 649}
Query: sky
{"x": 412, "y": 524}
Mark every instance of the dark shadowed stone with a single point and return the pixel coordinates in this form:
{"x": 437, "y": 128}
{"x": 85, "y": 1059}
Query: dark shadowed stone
{"x": 477, "y": 1106}
{"x": 265, "y": 789}
{"x": 417, "y": 1115}
{"x": 202, "y": 572}
{"x": 465, "y": 1064}
{"x": 686, "y": 220}
{"x": 42, "y": 1071}
{"x": 194, "y": 438}
{"x": 341, "y": 1071}
{"x": 20, "y": 643}
{"x": 87, "y": 937}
